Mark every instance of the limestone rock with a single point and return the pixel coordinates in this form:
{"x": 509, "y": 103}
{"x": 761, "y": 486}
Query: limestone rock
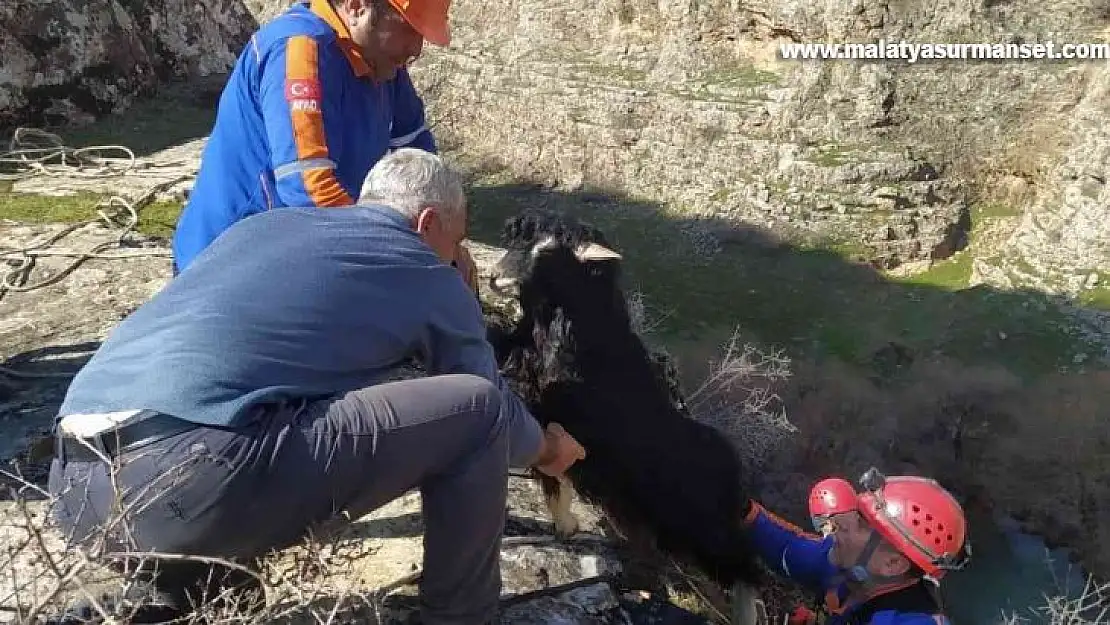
{"x": 266, "y": 10}
{"x": 71, "y": 60}
{"x": 692, "y": 104}
{"x": 544, "y": 580}
{"x": 1060, "y": 242}
{"x": 1066, "y": 231}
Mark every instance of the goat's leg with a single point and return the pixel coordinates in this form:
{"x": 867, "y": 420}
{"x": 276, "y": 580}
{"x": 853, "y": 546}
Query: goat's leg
{"x": 744, "y": 605}
{"x": 558, "y": 494}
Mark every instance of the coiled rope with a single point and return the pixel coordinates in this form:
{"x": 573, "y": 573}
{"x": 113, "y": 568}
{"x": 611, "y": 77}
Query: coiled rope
{"x": 34, "y": 152}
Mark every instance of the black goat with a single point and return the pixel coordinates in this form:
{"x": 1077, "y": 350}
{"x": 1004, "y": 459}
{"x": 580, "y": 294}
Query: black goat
{"x": 574, "y": 358}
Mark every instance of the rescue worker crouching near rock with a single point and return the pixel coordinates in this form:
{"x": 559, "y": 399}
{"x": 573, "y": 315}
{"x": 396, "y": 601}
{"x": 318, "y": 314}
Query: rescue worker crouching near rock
{"x": 881, "y": 554}
{"x": 318, "y": 95}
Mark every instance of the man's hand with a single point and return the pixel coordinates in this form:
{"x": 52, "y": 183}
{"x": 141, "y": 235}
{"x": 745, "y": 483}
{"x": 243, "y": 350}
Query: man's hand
{"x": 558, "y": 452}
{"x": 465, "y": 264}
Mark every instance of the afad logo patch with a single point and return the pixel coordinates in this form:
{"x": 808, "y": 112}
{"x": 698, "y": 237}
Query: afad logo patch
{"x": 303, "y": 94}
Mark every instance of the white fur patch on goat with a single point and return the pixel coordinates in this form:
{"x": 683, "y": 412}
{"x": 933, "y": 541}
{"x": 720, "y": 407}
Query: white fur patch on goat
{"x": 547, "y": 243}
{"x": 503, "y": 283}
{"x": 558, "y": 503}
{"x": 745, "y": 605}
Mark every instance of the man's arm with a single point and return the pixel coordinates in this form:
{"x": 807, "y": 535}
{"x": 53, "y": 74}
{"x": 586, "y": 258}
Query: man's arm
{"x": 455, "y": 342}
{"x": 410, "y": 128}
{"x": 787, "y": 549}
{"x": 300, "y": 96}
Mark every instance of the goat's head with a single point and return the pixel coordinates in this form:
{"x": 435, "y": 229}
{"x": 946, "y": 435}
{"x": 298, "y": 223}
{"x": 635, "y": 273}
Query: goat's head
{"x": 554, "y": 260}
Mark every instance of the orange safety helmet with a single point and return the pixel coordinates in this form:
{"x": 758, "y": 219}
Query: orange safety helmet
{"x": 919, "y": 518}
{"x": 830, "y": 496}
{"x": 428, "y": 17}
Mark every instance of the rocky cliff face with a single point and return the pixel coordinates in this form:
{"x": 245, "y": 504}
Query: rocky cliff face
{"x": 70, "y": 60}
{"x": 1062, "y": 240}
{"x": 265, "y": 10}
{"x": 690, "y": 102}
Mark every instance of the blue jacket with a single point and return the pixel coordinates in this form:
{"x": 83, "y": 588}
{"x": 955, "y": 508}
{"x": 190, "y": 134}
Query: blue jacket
{"x": 299, "y": 123}
{"x": 804, "y": 558}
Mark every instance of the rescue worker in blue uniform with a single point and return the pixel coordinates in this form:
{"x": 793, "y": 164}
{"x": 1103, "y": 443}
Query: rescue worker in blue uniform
{"x": 317, "y": 96}
{"x": 883, "y": 556}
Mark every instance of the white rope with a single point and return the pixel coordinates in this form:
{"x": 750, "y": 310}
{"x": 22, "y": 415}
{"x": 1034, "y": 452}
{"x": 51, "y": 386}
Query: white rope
{"x": 32, "y": 152}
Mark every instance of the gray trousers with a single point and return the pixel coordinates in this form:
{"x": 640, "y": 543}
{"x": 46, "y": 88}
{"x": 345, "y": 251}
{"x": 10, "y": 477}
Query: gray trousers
{"x": 236, "y": 494}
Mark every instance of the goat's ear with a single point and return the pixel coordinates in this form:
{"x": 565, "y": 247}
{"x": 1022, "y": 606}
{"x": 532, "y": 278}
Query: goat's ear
{"x": 592, "y": 251}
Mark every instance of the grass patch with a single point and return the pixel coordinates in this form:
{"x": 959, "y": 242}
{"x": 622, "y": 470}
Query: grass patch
{"x": 992, "y": 210}
{"x": 156, "y": 219}
{"x": 740, "y": 76}
{"x": 847, "y": 249}
{"x": 951, "y": 274}
{"x": 159, "y": 218}
{"x": 736, "y": 85}
{"x": 614, "y": 72}
{"x": 1098, "y": 297}
{"x": 831, "y": 156}
{"x": 180, "y": 112}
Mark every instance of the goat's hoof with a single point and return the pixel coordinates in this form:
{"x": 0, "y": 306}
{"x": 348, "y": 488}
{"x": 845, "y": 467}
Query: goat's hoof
{"x": 566, "y": 526}
{"x": 744, "y": 606}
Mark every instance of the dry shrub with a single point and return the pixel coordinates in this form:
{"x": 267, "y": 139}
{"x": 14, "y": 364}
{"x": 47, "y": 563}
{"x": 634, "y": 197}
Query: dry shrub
{"x": 644, "y": 320}
{"x": 738, "y": 398}
{"x": 1091, "y": 607}
{"x": 42, "y": 572}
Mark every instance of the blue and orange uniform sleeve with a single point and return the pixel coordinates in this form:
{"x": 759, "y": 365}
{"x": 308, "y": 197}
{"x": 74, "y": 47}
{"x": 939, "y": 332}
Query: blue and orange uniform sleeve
{"x": 410, "y": 128}
{"x": 301, "y": 89}
{"x": 792, "y": 552}
{"x": 891, "y": 617}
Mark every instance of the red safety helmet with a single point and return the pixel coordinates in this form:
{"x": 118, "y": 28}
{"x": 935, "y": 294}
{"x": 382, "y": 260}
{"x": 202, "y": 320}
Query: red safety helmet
{"x": 828, "y": 497}
{"x": 919, "y": 518}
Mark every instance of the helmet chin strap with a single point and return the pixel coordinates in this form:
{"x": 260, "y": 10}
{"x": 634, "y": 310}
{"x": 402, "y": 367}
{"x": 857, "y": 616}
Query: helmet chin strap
{"x": 858, "y": 572}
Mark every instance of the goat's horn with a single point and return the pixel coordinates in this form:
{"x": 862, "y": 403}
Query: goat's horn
{"x": 593, "y": 251}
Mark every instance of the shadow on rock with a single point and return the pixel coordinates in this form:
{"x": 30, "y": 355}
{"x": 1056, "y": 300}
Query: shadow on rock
{"x": 32, "y": 387}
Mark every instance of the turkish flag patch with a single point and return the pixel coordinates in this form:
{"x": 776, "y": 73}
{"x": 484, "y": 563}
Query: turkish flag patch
{"x": 302, "y": 89}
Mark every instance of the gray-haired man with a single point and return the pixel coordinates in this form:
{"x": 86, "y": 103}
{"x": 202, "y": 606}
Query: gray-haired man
{"x": 247, "y": 401}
